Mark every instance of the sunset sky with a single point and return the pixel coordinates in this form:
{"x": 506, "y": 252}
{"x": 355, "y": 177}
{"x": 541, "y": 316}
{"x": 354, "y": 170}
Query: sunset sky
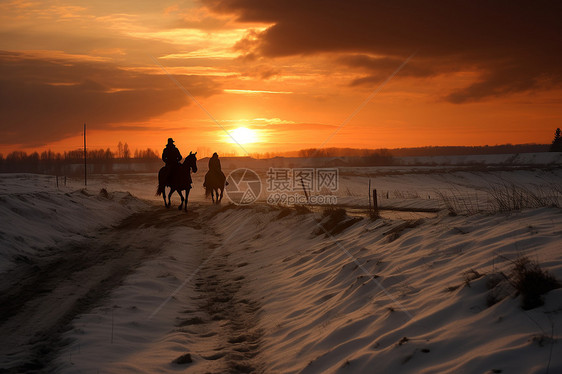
{"x": 282, "y": 75}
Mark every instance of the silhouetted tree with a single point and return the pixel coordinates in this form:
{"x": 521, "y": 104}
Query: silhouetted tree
{"x": 556, "y": 145}
{"x": 126, "y": 151}
{"x": 147, "y": 154}
{"x": 119, "y": 150}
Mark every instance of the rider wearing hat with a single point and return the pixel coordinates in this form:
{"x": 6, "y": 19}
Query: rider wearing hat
{"x": 171, "y": 157}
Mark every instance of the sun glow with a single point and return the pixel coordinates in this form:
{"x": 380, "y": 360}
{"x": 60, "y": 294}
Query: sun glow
{"x": 242, "y": 135}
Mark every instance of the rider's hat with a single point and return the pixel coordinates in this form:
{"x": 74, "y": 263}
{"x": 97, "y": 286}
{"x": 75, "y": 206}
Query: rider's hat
{"x": 170, "y": 141}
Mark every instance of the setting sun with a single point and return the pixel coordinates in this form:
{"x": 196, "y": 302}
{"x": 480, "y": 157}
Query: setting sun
{"x": 242, "y": 135}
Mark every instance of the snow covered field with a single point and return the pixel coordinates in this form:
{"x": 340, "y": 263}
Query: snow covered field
{"x": 35, "y": 217}
{"x": 278, "y": 290}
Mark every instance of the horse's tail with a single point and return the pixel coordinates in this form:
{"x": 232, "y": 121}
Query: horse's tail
{"x": 160, "y": 190}
{"x": 207, "y": 191}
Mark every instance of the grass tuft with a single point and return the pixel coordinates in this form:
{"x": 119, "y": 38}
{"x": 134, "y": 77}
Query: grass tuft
{"x": 531, "y": 282}
{"x": 471, "y": 275}
{"x": 335, "y": 221}
{"x": 183, "y": 359}
{"x": 301, "y": 209}
{"x": 284, "y": 212}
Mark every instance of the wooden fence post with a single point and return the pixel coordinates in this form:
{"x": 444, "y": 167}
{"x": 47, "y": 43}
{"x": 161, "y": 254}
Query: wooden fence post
{"x": 375, "y": 204}
{"x": 85, "y": 155}
{"x": 305, "y": 193}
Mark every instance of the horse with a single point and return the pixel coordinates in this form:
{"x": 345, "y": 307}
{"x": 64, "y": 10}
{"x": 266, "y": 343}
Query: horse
{"x": 213, "y": 183}
{"x": 179, "y": 180}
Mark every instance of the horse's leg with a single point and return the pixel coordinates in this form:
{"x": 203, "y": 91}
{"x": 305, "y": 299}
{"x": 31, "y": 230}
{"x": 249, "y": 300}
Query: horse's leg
{"x": 164, "y": 197}
{"x": 181, "y": 196}
{"x": 170, "y": 197}
{"x": 186, "y": 197}
{"x": 213, "y": 194}
{"x": 222, "y": 191}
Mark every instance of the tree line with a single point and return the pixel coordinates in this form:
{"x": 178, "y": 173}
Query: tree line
{"x": 49, "y": 162}
{"x": 353, "y": 156}
{"x": 384, "y": 154}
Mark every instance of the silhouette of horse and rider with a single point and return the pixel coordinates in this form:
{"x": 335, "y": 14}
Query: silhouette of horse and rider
{"x": 177, "y": 176}
{"x": 215, "y": 179}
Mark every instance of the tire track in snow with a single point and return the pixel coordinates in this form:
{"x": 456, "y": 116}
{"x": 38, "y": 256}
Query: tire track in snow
{"x": 226, "y": 321}
{"x": 39, "y": 300}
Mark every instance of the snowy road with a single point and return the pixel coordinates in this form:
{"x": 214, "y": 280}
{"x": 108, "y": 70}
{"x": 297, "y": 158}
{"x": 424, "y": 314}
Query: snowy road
{"x": 40, "y": 299}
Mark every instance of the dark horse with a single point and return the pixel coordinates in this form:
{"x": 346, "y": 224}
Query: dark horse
{"x": 180, "y": 180}
{"x": 214, "y": 182}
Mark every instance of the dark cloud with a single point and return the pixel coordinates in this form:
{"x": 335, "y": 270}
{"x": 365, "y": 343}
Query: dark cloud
{"x": 514, "y": 44}
{"x": 380, "y": 68}
{"x": 43, "y": 100}
{"x": 509, "y": 76}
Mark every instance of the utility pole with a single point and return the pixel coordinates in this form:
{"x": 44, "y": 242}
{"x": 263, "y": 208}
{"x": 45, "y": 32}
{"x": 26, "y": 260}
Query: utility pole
{"x": 85, "y": 169}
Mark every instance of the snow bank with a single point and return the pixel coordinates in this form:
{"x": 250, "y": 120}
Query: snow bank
{"x": 380, "y": 297}
{"x": 36, "y": 217}
{"x": 425, "y": 311}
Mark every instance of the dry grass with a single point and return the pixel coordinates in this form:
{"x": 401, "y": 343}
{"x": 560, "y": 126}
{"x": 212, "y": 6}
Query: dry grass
{"x": 506, "y": 197}
{"x": 510, "y": 197}
{"x": 284, "y": 212}
{"x": 301, "y": 209}
{"x": 531, "y": 282}
{"x": 471, "y": 275}
{"x": 335, "y": 220}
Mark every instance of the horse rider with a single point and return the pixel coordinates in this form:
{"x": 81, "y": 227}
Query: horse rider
{"x": 171, "y": 157}
{"x": 215, "y": 168}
